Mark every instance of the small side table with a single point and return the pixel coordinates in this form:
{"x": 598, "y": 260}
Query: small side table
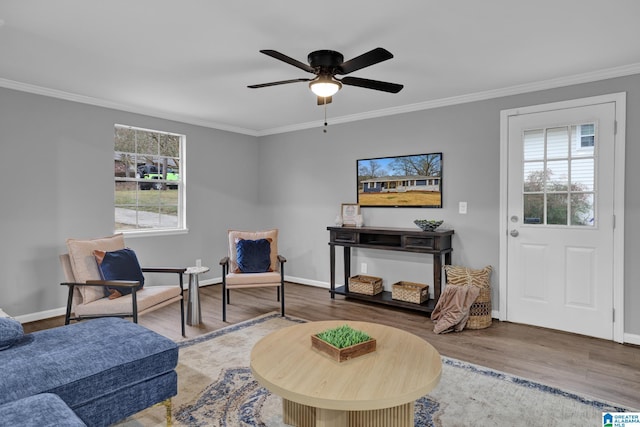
{"x": 194, "y": 317}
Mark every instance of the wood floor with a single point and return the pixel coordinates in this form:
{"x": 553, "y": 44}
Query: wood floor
{"x": 598, "y": 368}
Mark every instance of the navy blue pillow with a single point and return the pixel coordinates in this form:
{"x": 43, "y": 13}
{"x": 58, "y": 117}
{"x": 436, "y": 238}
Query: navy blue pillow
{"x": 10, "y": 332}
{"x": 119, "y": 265}
{"x": 253, "y": 256}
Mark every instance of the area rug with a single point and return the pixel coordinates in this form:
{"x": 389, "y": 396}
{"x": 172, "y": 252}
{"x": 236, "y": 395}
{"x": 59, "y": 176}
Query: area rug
{"x": 216, "y": 388}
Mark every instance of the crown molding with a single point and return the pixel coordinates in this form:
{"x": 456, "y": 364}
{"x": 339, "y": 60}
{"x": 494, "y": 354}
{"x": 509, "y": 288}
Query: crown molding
{"x": 609, "y": 73}
{"x": 68, "y": 96}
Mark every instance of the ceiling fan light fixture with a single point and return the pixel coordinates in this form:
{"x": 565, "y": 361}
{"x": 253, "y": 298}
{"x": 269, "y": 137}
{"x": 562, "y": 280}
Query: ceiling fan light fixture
{"x": 325, "y": 86}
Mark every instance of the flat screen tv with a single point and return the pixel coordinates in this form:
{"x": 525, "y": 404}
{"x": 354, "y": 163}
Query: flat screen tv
{"x": 401, "y": 181}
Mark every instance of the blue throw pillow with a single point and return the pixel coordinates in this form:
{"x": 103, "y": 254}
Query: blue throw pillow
{"x": 119, "y": 265}
{"x": 10, "y": 332}
{"x": 253, "y": 256}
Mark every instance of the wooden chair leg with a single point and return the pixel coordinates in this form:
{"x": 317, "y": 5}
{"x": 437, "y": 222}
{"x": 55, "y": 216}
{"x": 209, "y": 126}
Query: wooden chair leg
{"x": 169, "y": 415}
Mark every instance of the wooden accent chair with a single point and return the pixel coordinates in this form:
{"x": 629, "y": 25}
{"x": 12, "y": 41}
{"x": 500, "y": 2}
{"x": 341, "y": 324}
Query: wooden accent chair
{"x": 253, "y": 261}
{"x": 87, "y": 297}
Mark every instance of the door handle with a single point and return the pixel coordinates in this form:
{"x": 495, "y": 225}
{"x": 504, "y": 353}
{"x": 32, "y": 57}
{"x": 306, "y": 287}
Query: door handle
{"x": 514, "y": 233}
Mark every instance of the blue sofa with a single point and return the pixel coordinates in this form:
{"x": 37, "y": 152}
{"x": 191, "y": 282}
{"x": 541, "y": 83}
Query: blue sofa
{"x": 103, "y": 370}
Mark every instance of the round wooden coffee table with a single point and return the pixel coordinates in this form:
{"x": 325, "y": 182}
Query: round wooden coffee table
{"x": 378, "y": 388}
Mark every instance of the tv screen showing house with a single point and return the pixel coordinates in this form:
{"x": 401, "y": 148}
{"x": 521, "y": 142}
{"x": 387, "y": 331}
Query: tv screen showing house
{"x": 401, "y": 181}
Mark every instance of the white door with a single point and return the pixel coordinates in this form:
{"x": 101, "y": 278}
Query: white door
{"x": 560, "y": 208}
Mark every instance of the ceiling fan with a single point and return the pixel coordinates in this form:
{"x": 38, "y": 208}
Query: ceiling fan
{"x": 326, "y": 64}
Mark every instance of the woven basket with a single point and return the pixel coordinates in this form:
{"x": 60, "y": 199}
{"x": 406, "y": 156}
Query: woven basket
{"x": 367, "y": 285}
{"x": 416, "y": 293}
{"x": 480, "y": 310}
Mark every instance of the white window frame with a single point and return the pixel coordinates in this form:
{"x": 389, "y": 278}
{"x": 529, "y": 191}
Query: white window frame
{"x": 181, "y": 226}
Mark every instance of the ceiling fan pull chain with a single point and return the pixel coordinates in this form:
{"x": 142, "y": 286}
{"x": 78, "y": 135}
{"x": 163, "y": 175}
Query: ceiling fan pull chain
{"x": 325, "y": 116}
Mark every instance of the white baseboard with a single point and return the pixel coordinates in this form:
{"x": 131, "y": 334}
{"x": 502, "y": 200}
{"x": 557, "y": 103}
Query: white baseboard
{"x": 631, "y": 339}
{"x": 41, "y": 315}
{"x": 308, "y": 282}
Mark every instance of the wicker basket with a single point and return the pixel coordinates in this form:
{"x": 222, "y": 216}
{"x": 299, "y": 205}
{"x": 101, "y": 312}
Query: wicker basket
{"x": 410, "y": 292}
{"x": 367, "y": 285}
{"x": 480, "y": 310}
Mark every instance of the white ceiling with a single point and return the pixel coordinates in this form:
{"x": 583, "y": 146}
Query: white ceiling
{"x": 191, "y": 60}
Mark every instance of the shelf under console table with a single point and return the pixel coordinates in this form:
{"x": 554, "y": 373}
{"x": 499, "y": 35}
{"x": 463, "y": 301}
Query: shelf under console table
{"x": 436, "y": 243}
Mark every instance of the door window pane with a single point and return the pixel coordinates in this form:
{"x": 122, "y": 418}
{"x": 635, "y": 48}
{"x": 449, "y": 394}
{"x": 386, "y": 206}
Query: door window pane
{"x": 582, "y": 175}
{"x": 534, "y": 208}
{"x": 557, "y": 209}
{"x": 582, "y": 212}
{"x": 557, "y": 175}
{"x": 534, "y": 177}
{"x": 534, "y": 144}
{"x": 558, "y": 143}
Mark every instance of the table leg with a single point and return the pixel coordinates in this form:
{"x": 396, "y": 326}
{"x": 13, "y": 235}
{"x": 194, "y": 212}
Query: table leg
{"x": 437, "y": 276}
{"x": 194, "y": 316}
{"x": 332, "y": 273}
{"x": 347, "y": 267}
{"x": 299, "y": 415}
{"x": 331, "y": 418}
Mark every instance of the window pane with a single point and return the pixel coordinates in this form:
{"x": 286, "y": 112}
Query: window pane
{"x": 534, "y": 144}
{"x": 533, "y": 209}
{"x": 582, "y": 209}
{"x": 582, "y": 175}
{"x": 557, "y": 209}
{"x": 557, "y": 175}
{"x": 558, "y": 143}
{"x": 533, "y": 176}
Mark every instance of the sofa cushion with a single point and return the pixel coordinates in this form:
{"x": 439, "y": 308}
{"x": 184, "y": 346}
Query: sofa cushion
{"x": 84, "y": 361}
{"x": 83, "y": 262}
{"x": 10, "y": 332}
{"x": 253, "y": 256}
{"x": 41, "y": 410}
{"x": 119, "y": 265}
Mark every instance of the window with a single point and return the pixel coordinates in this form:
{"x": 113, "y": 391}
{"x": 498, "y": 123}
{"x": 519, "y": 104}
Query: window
{"x": 149, "y": 180}
{"x": 559, "y": 176}
{"x": 587, "y": 135}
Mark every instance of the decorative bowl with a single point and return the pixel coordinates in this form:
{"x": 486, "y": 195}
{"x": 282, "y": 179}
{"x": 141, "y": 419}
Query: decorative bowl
{"x": 428, "y": 224}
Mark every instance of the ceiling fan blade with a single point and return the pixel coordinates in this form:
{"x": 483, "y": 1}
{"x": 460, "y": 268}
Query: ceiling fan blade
{"x": 324, "y": 100}
{"x": 372, "y": 84}
{"x": 284, "y": 58}
{"x": 366, "y": 59}
{"x": 281, "y": 82}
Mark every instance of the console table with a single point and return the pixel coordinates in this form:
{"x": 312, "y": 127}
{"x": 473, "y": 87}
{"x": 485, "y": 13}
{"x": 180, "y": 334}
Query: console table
{"x": 436, "y": 243}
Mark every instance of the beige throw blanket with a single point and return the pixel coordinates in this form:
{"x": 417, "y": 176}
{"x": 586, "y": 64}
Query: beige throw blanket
{"x": 452, "y": 310}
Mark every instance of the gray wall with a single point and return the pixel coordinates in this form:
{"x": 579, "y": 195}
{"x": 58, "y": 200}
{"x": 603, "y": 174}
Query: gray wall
{"x": 308, "y": 174}
{"x": 57, "y": 172}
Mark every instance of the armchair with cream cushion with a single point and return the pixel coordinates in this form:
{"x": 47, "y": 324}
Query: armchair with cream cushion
{"x": 87, "y": 297}
{"x": 253, "y": 261}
